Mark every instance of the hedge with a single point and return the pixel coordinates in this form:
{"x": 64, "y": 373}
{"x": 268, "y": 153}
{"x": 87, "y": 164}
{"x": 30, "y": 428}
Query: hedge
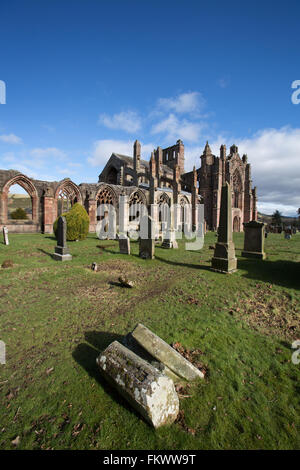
{"x": 78, "y": 223}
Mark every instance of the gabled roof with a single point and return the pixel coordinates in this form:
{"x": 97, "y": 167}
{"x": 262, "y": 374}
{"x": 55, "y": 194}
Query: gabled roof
{"x": 144, "y": 163}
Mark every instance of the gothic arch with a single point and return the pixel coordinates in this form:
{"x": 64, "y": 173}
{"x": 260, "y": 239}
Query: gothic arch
{"x": 164, "y": 203}
{"x": 137, "y": 197}
{"x": 106, "y": 195}
{"x": 164, "y": 199}
{"x": 67, "y": 193}
{"x": 29, "y": 187}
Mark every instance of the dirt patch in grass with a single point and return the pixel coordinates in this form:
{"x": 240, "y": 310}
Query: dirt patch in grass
{"x": 270, "y": 311}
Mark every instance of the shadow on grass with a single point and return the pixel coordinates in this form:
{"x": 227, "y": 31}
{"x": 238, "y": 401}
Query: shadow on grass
{"x": 86, "y": 354}
{"x": 51, "y": 237}
{"x": 45, "y": 252}
{"x": 186, "y": 265}
{"x": 282, "y": 273}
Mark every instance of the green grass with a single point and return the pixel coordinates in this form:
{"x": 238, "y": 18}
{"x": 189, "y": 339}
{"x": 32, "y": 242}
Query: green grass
{"x": 60, "y": 315}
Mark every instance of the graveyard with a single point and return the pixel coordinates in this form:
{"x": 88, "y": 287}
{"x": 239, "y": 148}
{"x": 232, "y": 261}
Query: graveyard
{"x": 236, "y": 328}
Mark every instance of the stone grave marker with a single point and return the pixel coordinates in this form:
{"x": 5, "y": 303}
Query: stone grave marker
{"x": 147, "y": 237}
{"x": 224, "y": 259}
{"x": 149, "y": 391}
{"x": 5, "y": 235}
{"x": 61, "y": 250}
{"x": 164, "y": 353}
{"x": 254, "y": 240}
{"x": 124, "y": 245}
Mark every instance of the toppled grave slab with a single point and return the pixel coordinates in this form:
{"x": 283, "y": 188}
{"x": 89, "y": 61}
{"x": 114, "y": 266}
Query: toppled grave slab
{"x": 134, "y": 346}
{"x": 125, "y": 282}
{"x": 165, "y": 354}
{"x": 149, "y": 391}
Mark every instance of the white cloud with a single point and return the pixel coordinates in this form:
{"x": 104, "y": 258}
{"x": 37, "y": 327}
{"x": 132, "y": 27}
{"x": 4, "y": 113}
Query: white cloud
{"x": 10, "y": 139}
{"x": 189, "y": 102}
{"x": 274, "y": 155}
{"x": 128, "y": 121}
{"x": 39, "y": 163}
{"x": 175, "y": 129}
{"x": 102, "y": 150}
{"x": 49, "y": 152}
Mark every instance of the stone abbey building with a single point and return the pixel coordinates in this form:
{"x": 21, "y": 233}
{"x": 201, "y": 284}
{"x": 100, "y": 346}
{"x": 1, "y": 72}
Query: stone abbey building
{"x": 162, "y": 180}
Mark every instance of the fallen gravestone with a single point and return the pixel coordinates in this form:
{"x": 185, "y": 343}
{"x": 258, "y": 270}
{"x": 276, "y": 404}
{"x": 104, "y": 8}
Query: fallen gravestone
{"x": 124, "y": 281}
{"x": 165, "y": 354}
{"x": 5, "y": 235}
{"x": 61, "y": 250}
{"x": 149, "y": 391}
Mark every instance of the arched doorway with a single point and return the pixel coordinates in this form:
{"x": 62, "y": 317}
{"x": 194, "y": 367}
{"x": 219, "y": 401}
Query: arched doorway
{"x": 29, "y": 191}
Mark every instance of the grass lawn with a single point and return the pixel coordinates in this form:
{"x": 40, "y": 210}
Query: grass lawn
{"x": 56, "y": 317}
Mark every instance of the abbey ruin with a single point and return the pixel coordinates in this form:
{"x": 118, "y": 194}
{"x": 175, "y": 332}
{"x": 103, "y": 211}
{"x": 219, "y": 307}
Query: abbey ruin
{"x": 161, "y": 180}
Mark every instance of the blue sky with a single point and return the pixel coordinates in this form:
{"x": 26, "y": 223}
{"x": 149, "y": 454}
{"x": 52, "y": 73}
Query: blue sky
{"x": 85, "y": 78}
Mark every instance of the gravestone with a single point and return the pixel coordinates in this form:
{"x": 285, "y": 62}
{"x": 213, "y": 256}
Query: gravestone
{"x": 124, "y": 245}
{"x": 61, "y": 250}
{"x": 288, "y": 233}
{"x": 94, "y": 266}
{"x": 163, "y": 352}
{"x": 149, "y": 391}
{"x": 147, "y": 237}
{"x": 224, "y": 259}
{"x": 170, "y": 240}
{"x": 5, "y": 235}
{"x": 254, "y": 240}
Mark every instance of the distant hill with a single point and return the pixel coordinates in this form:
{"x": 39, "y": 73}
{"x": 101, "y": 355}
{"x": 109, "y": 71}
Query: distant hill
{"x": 19, "y": 200}
{"x": 267, "y": 219}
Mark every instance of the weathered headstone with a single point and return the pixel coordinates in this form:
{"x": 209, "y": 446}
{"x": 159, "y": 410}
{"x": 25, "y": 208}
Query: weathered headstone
{"x": 124, "y": 245}
{"x": 5, "y": 235}
{"x": 149, "y": 391}
{"x": 162, "y": 352}
{"x": 147, "y": 237}
{"x": 61, "y": 250}
{"x": 224, "y": 259}
{"x": 254, "y": 240}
